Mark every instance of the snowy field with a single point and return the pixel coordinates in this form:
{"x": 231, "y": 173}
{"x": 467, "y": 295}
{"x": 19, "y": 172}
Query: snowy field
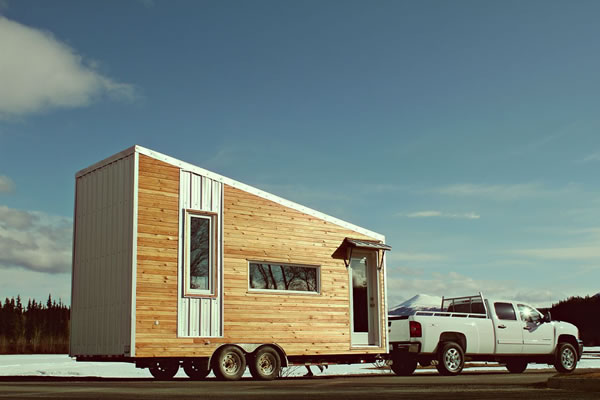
{"x": 62, "y": 365}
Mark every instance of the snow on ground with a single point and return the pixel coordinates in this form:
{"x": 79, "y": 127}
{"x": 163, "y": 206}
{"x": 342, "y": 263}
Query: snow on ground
{"x": 63, "y": 365}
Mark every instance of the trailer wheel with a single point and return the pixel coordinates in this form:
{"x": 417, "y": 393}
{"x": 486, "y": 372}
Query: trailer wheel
{"x": 403, "y": 364}
{"x": 229, "y": 364}
{"x": 196, "y": 369}
{"x": 516, "y": 366}
{"x": 565, "y": 359}
{"x": 164, "y": 370}
{"x": 265, "y": 364}
{"x": 451, "y": 359}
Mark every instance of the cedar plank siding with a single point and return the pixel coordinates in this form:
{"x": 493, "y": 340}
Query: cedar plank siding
{"x": 254, "y": 229}
{"x": 158, "y": 230}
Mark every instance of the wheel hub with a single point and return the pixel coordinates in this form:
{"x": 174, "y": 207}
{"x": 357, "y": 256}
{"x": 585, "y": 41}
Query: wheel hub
{"x": 568, "y": 358}
{"x": 452, "y": 359}
{"x": 266, "y": 364}
{"x": 230, "y": 364}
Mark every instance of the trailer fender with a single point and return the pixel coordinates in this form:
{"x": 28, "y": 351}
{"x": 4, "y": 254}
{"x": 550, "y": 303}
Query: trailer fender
{"x": 279, "y": 349}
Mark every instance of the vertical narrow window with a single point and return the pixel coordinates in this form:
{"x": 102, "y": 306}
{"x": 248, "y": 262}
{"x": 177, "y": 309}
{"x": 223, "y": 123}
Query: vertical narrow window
{"x": 200, "y": 255}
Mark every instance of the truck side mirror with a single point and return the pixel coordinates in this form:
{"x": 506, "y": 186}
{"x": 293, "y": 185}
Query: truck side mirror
{"x": 547, "y": 316}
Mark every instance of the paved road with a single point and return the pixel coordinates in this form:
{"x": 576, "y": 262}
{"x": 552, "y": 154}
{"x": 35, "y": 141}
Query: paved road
{"x": 488, "y": 385}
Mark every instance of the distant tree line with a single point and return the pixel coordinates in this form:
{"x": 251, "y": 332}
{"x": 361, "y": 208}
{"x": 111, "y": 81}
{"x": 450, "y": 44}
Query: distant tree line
{"x": 44, "y": 328}
{"x": 35, "y": 328}
{"x": 583, "y": 312}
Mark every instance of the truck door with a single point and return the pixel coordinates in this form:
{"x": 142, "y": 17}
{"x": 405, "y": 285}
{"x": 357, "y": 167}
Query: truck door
{"x": 538, "y": 337}
{"x": 508, "y": 329}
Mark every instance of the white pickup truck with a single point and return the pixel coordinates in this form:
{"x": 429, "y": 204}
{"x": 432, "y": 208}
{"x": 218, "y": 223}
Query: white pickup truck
{"x": 509, "y": 332}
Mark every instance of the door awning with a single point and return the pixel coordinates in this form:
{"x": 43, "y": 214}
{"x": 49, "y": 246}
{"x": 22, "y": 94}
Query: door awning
{"x": 344, "y": 252}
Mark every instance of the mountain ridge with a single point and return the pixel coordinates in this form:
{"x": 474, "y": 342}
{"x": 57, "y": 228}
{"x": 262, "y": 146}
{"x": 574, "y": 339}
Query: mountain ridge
{"x": 420, "y": 302}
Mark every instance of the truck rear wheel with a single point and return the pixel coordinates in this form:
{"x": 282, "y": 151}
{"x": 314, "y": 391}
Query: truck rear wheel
{"x": 265, "y": 364}
{"x": 566, "y": 358}
{"x": 403, "y": 364}
{"x": 516, "y": 366}
{"x": 229, "y": 363}
{"x": 164, "y": 370}
{"x": 451, "y": 359}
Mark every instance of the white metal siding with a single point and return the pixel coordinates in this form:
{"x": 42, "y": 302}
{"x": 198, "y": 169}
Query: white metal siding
{"x": 200, "y": 317}
{"x": 101, "y": 304}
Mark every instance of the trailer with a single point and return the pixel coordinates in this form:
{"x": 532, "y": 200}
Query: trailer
{"x": 177, "y": 267}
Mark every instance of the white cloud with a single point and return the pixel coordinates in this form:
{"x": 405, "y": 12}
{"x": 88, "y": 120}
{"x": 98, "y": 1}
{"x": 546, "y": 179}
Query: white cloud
{"x": 591, "y": 157}
{"x": 454, "y": 284}
{"x": 410, "y": 256}
{"x": 39, "y": 73}
{"x": 500, "y": 192}
{"x": 6, "y": 184}
{"x": 34, "y": 285}
{"x": 562, "y": 253}
{"x": 433, "y": 213}
{"x": 34, "y": 241}
{"x": 423, "y": 214}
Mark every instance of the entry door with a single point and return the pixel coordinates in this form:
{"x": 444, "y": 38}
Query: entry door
{"x": 364, "y": 300}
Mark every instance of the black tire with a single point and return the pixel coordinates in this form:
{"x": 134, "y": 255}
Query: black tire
{"x": 265, "y": 364}
{"x": 164, "y": 370}
{"x": 229, "y": 363}
{"x": 196, "y": 369}
{"x": 516, "y": 366}
{"x": 565, "y": 360}
{"x": 451, "y": 359}
{"x": 403, "y": 364}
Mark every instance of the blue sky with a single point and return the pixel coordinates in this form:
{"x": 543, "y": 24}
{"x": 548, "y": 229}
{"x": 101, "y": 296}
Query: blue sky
{"x": 467, "y": 132}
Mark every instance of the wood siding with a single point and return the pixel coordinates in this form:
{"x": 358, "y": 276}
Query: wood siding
{"x": 158, "y": 230}
{"x": 254, "y": 229}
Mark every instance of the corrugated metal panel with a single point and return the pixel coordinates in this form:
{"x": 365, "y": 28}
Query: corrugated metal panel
{"x": 199, "y": 317}
{"x": 102, "y": 262}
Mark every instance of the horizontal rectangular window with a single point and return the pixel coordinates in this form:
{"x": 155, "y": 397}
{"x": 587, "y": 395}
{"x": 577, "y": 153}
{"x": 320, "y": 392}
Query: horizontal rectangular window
{"x": 284, "y": 277}
{"x": 200, "y": 257}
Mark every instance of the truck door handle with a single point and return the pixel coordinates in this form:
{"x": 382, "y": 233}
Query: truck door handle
{"x": 502, "y": 326}
{"x": 526, "y": 328}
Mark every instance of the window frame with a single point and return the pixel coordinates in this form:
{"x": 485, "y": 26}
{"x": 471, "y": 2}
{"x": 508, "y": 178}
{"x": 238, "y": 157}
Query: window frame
{"x": 536, "y": 312}
{"x": 212, "y": 256}
{"x": 280, "y": 291}
{"x": 512, "y": 306}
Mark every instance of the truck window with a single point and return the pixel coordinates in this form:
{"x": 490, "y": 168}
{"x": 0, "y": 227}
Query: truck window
{"x": 529, "y": 314}
{"x": 505, "y": 311}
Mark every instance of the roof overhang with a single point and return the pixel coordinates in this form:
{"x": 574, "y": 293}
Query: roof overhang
{"x": 345, "y": 250}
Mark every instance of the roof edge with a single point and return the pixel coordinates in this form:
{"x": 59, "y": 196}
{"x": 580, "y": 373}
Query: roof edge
{"x": 231, "y": 182}
{"x": 122, "y": 154}
{"x": 258, "y": 192}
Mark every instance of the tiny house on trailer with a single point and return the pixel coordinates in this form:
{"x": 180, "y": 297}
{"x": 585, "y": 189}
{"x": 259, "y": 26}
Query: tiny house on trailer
{"x": 175, "y": 266}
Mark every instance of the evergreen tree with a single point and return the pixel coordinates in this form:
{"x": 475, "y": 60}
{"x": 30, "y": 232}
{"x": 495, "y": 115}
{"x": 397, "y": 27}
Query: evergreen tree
{"x": 34, "y": 329}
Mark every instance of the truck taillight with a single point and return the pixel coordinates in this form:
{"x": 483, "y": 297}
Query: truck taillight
{"x": 415, "y": 329}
